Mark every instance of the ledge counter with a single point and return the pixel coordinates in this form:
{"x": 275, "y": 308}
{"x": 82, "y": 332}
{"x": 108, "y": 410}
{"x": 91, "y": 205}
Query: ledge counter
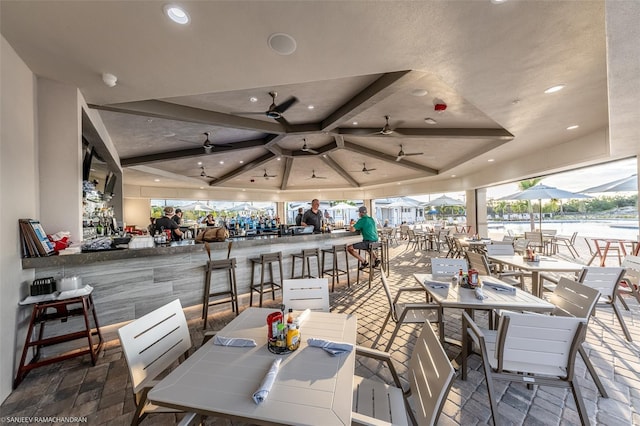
{"x": 129, "y": 283}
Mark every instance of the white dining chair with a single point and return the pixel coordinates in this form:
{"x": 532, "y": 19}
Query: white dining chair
{"x": 430, "y": 375}
{"x": 631, "y": 279}
{"x": 528, "y": 348}
{"x": 447, "y": 266}
{"x": 151, "y": 344}
{"x": 306, "y": 293}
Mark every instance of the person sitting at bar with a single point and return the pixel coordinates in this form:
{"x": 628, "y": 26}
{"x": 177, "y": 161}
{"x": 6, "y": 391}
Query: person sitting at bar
{"x": 313, "y": 216}
{"x": 367, "y": 227}
{"x": 167, "y": 222}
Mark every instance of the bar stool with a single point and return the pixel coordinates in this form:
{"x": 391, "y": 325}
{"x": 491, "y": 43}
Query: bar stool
{"x": 335, "y": 271}
{"x": 305, "y": 256}
{"x": 378, "y": 247}
{"x": 231, "y": 292}
{"x": 263, "y": 261}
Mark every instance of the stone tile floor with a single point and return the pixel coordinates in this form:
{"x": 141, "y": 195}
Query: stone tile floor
{"x": 101, "y": 394}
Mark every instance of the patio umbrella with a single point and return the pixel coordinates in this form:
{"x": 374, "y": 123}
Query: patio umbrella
{"x": 196, "y": 207}
{"x": 543, "y": 192}
{"x": 628, "y": 184}
{"x": 244, "y": 207}
{"x": 342, "y": 206}
{"x": 444, "y": 201}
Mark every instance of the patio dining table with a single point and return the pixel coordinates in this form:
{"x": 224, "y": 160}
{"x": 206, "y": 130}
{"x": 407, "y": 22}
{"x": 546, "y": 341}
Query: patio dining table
{"x": 546, "y": 264}
{"x": 604, "y": 245}
{"x": 311, "y": 386}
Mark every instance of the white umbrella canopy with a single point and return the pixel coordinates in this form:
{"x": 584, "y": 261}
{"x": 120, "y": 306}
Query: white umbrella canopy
{"x": 342, "y": 206}
{"x": 444, "y": 201}
{"x": 628, "y": 184}
{"x": 244, "y": 207}
{"x": 543, "y": 192}
{"x": 196, "y": 207}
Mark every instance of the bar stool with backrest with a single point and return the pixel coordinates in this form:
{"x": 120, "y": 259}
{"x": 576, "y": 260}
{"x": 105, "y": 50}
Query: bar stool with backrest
{"x": 378, "y": 248}
{"x": 264, "y": 261}
{"x": 230, "y": 293}
{"x": 305, "y": 255}
{"x": 334, "y": 271}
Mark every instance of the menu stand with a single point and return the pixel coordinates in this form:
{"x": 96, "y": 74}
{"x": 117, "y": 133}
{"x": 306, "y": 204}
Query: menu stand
{"x": 61, "y": 310}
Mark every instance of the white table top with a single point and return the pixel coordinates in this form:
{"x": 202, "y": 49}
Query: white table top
{"x": 545, "y": 264}
{"x": 464, "y": 298}
{"x": 312, "y": 387}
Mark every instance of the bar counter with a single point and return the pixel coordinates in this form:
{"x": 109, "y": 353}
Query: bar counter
{"x": 129, "y": 283}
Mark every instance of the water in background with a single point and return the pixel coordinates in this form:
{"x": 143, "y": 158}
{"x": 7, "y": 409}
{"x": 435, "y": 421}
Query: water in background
{"x": 602, "y": 229}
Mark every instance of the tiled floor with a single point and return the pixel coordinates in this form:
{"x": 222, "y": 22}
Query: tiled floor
{"x": 102, "y": 393}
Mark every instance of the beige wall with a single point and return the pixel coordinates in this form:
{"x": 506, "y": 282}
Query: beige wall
{"x": 18, "y": 199}
{"x": 136, "y": 212}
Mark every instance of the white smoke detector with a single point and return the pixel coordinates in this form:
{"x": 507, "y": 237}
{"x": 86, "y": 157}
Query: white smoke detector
{"x": 109, "y": 79}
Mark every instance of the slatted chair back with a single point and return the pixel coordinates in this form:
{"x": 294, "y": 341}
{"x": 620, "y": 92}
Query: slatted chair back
{"x": 539, "y": 344}
{"x": 478, "y": 261}
{"x": 430, "y": 376}
{"x": 603, "y": 279}
{"x": 151, "y": 344}
{"x": 446, "y": 266}
{"x": 387, "y": 291}
{"x": 520, "y": 245}
{"x": 632, "y": 268}
{"x": 536, "y": 240}
{"x": 500, "y": 250}
{"x": 306, "y": 293}
{"x": 574, "y": 299}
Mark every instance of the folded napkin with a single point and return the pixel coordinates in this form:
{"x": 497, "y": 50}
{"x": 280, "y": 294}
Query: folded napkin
{"x": 233, "y": 341}
{"x": 334, "y": 348}
{"x": 437, "y": 284}
{"x": 499, "y": 286}
{"x": 479, "y": 294}
{"x": 262, "y": 392}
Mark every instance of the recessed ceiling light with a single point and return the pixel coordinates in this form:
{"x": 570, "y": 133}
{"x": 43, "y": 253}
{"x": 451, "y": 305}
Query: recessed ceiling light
{"x": 310, "y": 107}
{"x": 282, "y": 44}
{"x": 253, "y": 99}
{"x": 491, "y": 160}
{"x": 202, "y": 187}
{"x": 176, "y": 14}
{"x": 278, "y": 158}
{"x": 109, "y": 79}
{"x": 241, "y": 161}
{"x": 430, "y": 120}
{"x": 199, "y": 163}
{"x": 355, "y": 123}
{"x": 221, "y": 162}
{"x": 498, "y": 1}
{"x": 156, "y": 180}
{"x": 554, "y": 89}
{"x": 419, "y": 92}
{"x": 575, "y": 126}
{"x": 453, "y": 175}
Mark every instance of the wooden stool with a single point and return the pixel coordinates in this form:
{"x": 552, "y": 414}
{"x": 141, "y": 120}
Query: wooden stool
{"x": 305, "y": 256}
{"x": 231, "y": 292}
{"x": 334, "y": 271}
{"x": 371, "y": 270}
{"x": 76, "y": 306}
{"x": 262, "y": 261}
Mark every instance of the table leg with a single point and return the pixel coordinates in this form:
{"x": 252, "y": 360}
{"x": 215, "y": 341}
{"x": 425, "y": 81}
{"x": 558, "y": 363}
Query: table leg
{"x": 535, "y": 284}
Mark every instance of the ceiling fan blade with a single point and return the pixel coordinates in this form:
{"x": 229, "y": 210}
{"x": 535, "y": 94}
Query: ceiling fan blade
{"x": 312, "y": 151}
{"x": 286, "y": 105}
{"x": 399, "y": 157}
{"x": 413, "y": 153}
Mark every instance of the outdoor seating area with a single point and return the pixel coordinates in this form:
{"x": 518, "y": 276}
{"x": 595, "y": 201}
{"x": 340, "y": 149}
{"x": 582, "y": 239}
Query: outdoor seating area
{"x": 597, "y": 387}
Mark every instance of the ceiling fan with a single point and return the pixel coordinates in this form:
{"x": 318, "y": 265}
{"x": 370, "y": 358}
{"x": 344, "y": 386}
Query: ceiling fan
{"x": 276, "y": 111}
{"x": 203, "y": 174}
{"x": 386, "y": 129}
{"x": 266, "y": 175}
{"x": 305, "y": 148}
{"x": 403, "y": 154}
{"x": 365, "y": 170}
{"x": 313, "y": 176}
{"x": 208, "y": 145}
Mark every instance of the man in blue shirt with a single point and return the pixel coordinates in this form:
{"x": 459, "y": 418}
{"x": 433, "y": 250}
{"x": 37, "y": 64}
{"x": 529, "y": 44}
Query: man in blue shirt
{"x": 367, "y": 227}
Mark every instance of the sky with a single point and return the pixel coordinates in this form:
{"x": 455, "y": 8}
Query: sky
{"x": 575, "y": 181}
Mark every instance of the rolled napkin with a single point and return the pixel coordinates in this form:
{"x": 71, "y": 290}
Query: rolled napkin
{"x": 479, "y": 294}
{"x": 334, "y": 348}
{"x": 262, "y": 392}
{"x": 437, "y": 284}
{"x": 303, "y": 317}
{"x": 233, "y": 341}
{"x": 499, "y": 286}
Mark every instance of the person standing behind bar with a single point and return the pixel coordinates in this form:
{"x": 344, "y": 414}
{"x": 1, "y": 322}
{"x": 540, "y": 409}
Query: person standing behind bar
{"x": 177, "y": 218}
{"x": 367, "y": 227}
{"x": 299, "y": 217}
{"x": 167, "y": 222}
{"x": 313, "y": 216}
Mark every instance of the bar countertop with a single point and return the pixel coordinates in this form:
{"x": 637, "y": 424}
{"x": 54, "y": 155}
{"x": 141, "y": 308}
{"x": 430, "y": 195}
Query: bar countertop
{"x": 118, "y": 254}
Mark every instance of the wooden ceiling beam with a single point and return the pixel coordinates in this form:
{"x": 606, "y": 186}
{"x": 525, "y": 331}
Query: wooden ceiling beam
{"x": 388, "y": 158}
{"x": 448, "y": 133}
{"x": 382, "y": 88}
{"x": 342, "y": 172}
{"x": 190, "y": 152}
{"x": 287, "y": 172}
